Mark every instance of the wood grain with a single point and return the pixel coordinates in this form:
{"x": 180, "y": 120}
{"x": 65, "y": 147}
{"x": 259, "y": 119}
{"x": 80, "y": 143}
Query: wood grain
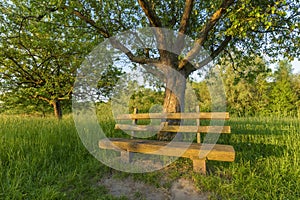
{"x": 202, "y": 115}
{"x": 193, "y": 151}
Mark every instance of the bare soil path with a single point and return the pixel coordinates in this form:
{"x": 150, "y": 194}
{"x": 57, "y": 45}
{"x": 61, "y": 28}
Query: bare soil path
{"x": 181, "y": 189}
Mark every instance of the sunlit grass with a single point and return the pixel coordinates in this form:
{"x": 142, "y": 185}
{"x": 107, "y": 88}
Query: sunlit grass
{"x": 45, "y": 159}
{"x": 267, "y": 164}
{"x": 41, "y": 158}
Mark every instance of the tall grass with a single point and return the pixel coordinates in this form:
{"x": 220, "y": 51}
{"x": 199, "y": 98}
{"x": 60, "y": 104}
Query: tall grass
{"x": 41, "y": 158}
{"x": 45, "y": 159}
{"x": 267, "y": 164}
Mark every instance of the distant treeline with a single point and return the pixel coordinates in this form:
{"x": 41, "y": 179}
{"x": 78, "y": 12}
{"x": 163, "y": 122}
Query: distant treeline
{"x": 268, "y": 93}
{"x": 265, "y": 93}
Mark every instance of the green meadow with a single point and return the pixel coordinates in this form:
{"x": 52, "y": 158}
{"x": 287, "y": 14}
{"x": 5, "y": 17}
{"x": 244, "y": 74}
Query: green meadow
{"x": 41, "y": 158}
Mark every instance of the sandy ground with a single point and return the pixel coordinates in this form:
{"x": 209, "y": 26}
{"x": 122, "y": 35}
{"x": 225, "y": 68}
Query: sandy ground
{"x": 181, "y": 189}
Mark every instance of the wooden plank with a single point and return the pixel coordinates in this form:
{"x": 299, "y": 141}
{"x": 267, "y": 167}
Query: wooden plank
{"x": 134, "y": 122}
{"x": 182, "y": 129}
{"x": 202, "y": 115}
{"x": 127, "y": 156}
{"x": 199, "y": 165}
{"x": 198, "y": 124}
{"x": 210, "y": 151}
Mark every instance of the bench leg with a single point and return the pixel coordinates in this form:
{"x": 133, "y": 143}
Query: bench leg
{"x": 199, "y": 165}
{"x": 127, "y": 156}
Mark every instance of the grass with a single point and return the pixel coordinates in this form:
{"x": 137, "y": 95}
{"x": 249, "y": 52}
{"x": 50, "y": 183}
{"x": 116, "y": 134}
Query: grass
{"x": 41, "y": 158}
{"x": 44, "y": 159}
{"x": 267, "y": 161}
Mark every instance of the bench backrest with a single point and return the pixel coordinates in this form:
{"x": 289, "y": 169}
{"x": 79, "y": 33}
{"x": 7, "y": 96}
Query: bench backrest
{"x": 196, "y": 115}
{"x": 164, "y": 127}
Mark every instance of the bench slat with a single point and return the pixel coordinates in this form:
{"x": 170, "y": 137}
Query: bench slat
{"x": 202, "y": 115}
{"x": 183, "y": 129}
{"x": 211, "y": 151}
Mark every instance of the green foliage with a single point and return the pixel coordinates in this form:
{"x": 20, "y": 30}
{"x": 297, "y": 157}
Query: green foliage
{"x": 296, "y": 89}
{"x": 283, "y": 98}
{"x": 264, "y": 93}
{"x": 265, "y": 27}
{"x": 17, "y": 105}
{"x": 107, "y": 81}
{"x": 247, "y": 92}
{"x": 203, "y": 95}
{"x": 38, "y": 60}
{"x": 146, "y": 100}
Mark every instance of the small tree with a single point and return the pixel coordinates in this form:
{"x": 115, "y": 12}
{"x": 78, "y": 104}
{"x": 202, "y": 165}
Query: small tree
{"x": 283, "y": 97}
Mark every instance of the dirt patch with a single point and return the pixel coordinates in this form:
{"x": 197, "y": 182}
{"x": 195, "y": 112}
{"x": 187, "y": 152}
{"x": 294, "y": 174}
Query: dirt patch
{"x": 184, "y": 189}
{"x": 133, "y": 189}
{"x": 181, "y": 189}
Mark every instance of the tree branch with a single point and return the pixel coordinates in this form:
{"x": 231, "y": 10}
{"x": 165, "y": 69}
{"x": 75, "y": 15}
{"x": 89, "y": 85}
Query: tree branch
{"x": 137, "y": 59}
{"x": 212, "y": 56}
{"x": 28, "y": 52}
{"x": 153, "y": 70}
{"x": 42, "y": 98}
{"x": 231, "y": 59}
{"x": 116, "y": 44}
{"x": 21, "y": 68}
{"x": 186, "y": 16}
{"x": 91, "y": 22}
{"x": 205, "y": 31}
{"x": 215, "y": 53}
{"x": 151, "y": 15}
{"x": 154, "y": 22}
{"x": 183, "y": 25}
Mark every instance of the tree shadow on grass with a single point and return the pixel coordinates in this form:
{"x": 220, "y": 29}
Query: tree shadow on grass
{"x": 257, "y": 127}
{"x": 247, "y": 152}
{"x": 252, "y": 151}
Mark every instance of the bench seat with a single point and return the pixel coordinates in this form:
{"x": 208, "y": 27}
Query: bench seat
{"x": 218, "y": 152}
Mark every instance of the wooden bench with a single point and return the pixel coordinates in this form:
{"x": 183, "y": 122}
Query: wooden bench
{"x": 219, "y": 152}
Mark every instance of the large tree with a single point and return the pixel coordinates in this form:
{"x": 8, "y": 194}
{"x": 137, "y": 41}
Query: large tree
{"x": 222, "y": 27}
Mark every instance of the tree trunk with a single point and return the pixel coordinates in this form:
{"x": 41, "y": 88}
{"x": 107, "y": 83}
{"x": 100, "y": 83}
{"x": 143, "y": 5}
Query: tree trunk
{"x": 174, "y": 100}
{"x": 57, "y": 109}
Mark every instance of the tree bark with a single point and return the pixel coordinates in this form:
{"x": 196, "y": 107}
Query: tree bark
{"x": 57, "y": 109}
{"x": 174, "y": 100}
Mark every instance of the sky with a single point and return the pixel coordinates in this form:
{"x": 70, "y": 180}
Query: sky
{"x": 296, "y": 66}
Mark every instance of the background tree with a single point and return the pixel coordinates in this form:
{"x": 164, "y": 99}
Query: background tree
{"x": 261, "y": 94}
{"x": 38, "y": 60}
{"x": 283, "y": 98}
{"x": 145, "y": 99}
{"x": 107, "y": 81}
{"x": 248, "y": 91}
{"x": 203, "y": 96}
{"x": 296, "y": 89}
